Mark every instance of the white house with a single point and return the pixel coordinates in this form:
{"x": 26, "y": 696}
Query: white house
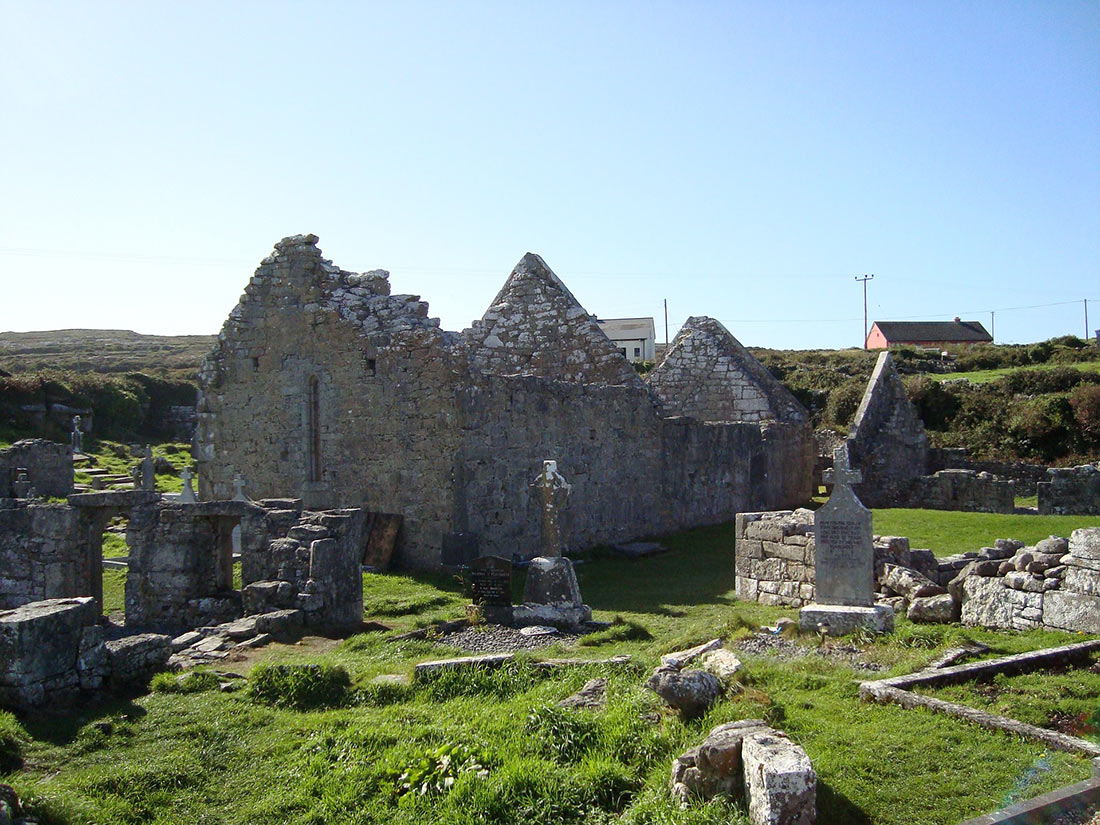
{"x": 635, "y": 337}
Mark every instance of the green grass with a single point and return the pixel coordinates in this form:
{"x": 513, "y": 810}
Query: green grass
{"x": 205, "y": 756}
{"x": 985, "y": 376}
{"x": 114, "y": 591}
{"x": 945, "y": 532}
{"x": 105, "y": 455}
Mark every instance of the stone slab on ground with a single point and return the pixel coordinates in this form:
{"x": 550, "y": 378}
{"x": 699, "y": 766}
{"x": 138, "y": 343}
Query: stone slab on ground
{"x": 592, "y": 695}
{"x": 844, "y": 619}
{"x": 680, "y": 658}
{"x": 639, "y": 549}
{"x": 490, "y": 660}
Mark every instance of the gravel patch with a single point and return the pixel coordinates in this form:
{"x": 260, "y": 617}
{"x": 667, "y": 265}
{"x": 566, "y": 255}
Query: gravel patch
{"x": 1076, "y": 818}
{"x": 499, "y": 639}
{"x": 766, "y": 644}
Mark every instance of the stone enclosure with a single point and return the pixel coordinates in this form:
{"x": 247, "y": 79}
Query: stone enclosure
{"x": 365, "y": 402}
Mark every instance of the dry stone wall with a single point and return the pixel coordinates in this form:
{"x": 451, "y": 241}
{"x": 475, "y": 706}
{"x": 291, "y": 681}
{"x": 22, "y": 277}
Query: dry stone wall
{"x": 1071, "y": 491}
{"x": 324, "y": 386}
{"x": 41, "y": 555}
{"x": 963, "y": 490}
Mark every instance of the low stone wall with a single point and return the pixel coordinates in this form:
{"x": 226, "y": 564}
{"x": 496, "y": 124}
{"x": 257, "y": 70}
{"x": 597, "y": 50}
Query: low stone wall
{"x": 1041, "y": 586}
{"x": 52, "y": 651}
{"x": 1071, "y": 491}
{"x": 1025, "y": 475}
{"x": 49, "y": 467}
{"x": 964, "y": 490}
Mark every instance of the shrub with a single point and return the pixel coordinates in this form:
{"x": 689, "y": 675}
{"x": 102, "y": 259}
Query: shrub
{"x": 844, "y": 401}
{"x": 936, "y": 404}
{"x": 1085, "y": 403}
{"x": 197, "y": 681}
{"x": 1042, "y": 426}
{"x": 300, "y": 687}
{"x": 1040, "y": 353}
{"x": 435, "y": 771}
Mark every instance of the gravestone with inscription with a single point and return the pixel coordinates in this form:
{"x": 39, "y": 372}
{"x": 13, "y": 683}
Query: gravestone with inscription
{"x": 491, "y": 581}
{"x": 844, "y": 561}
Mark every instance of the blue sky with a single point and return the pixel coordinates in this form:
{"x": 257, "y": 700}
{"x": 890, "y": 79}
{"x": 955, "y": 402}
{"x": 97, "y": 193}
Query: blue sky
{"x": 744, "y": 160}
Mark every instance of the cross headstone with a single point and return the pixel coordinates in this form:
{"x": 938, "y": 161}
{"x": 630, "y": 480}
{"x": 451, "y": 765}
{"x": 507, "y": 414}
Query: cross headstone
{"x": 78, "y": 435}
{"x": 844, "y": 550}
{"x": 22, "y": 484}
{"x": 148, "y": 470}
{"x": 554, "y": 492}
{"x": 238, "y": 485}
{"x": 187, "y": 494}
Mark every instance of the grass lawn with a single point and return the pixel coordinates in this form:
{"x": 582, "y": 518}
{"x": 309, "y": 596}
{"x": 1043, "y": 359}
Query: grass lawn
{"x": 225, "y": 758}
{"x": 945, "y": 532}
{"x": 985, "y": 376}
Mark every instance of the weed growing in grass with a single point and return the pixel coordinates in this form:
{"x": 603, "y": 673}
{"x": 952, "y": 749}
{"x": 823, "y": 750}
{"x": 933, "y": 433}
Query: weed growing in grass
{"x": 563, "y": 735}
{"x": 196, "y": 681}
{"x": 436, "y": 771}
{"x": 12, "y": 739}
{"x": 499, "y": 683}
{"x": 300, "y": 687}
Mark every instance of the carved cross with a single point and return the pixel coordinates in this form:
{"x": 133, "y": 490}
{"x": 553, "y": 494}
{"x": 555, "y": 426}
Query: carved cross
{"x": 187, "y": 495}
{"x": 842, "y": 474}
{"x": 554, "y": 490}
{"x": 238, "y": 485}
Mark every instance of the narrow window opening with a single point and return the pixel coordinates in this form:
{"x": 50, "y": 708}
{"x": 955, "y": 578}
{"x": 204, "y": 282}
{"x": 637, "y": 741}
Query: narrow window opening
{"x": 371, "y": 366}
{"x": 255, "y": 364}
{"x": 314, "y": 427}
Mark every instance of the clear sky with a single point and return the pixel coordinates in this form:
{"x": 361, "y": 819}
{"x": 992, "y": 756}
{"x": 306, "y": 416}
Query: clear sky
{"x": 744, "y": 160}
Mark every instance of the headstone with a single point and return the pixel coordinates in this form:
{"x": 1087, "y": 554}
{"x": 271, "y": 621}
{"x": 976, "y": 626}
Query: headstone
{"x": 491, "y": 581}
{"x": 238, "y": 486}
{"x": 844, "y": 561}
{"x": 22, "y": 484}
{"x": 148, "y": 470}
{"x": 77, "y": 435}
{"x": 554, "y": 492}
{"x": 187, "y": 495}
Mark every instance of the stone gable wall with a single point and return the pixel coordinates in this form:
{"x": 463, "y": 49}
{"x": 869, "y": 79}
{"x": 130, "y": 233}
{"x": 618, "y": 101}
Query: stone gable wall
{"x": 886, "y": 442}
{"x": 708, "y": 375}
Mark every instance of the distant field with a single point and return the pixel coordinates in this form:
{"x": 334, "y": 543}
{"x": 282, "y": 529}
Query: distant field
{"x": 945, "y": 532}
{"x": 985, "y": 376}
{"x": 103, "y": 350}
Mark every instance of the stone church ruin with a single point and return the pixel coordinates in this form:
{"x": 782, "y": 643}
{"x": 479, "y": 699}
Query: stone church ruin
{"x": 324, "y": 386}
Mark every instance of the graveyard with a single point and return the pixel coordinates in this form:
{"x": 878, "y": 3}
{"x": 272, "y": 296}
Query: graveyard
{"x": 403, "y": 574}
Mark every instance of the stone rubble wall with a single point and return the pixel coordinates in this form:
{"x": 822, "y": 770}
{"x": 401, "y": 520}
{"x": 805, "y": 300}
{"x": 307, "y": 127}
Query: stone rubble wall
{"x": 709, "y": 376}
{"x": 886, "y": 441}
{"x": 1036, "y": 589}
{"x": 49, "y": 467}
{"x": 1071, "y": 491}
{"x": 964, "y": 490}
{"x": 1025, "y": 475}
{"x": 52, "y": 651}
{"x": 41, "y": 556}
{"x": 449, "y": 429}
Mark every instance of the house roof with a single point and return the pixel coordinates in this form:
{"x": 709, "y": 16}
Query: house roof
{"x": 627, "y": 327}
{"x": 898, "y": 332}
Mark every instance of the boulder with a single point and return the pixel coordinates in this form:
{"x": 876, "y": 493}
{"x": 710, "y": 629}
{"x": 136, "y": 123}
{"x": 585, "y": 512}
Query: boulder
{"x": 683, "y": 657}
{"x": 941, "y": 609}
{"x": 975, "y": 568}
{"x": 691, "y": 692}
{"x": 714, "y": 767}
{"x": 722, "y": 663}
{"x": 592, "y": 695}
{"x": 1054, "y": 546}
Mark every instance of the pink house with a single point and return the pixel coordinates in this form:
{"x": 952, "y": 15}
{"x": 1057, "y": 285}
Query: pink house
{"x": 885, "y": 334}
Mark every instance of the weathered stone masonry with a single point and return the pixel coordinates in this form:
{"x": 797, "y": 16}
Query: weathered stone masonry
{"x": 325, "y": 386}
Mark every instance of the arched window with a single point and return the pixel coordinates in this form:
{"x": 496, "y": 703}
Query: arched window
{"x": 314, "y": 429}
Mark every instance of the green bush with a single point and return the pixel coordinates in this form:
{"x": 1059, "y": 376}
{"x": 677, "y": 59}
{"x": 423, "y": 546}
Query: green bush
{"x": 1042, "y": 427}
{"x": 196, "y": 681}
{"x": 936, "y": 403}
{"x": 844, "y": 401}
{"x": 1085, "y": 403}
{"x": 1038, "y": 382}
{"x": 435, "y": 771}
{"x": 300, "y": 687}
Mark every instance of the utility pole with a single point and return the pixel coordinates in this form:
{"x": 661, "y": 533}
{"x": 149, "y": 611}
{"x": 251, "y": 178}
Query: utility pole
{"x": 666, "y": 326}
{"x": 993, "y": 325}
{"x": 865, "y": 279}
{"x": 1086, "y": 319}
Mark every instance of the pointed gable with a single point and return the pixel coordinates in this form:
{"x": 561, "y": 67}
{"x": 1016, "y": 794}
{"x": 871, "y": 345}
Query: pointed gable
{"x": 536, "y": 327}
{"x": 709, "y": 376}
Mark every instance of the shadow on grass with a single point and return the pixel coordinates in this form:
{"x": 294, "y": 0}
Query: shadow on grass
{"x": 63, "y": 726}
{"x": 836, "y": 809}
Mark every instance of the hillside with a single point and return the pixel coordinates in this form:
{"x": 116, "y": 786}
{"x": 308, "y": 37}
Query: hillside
{"x": 104, "y": 350}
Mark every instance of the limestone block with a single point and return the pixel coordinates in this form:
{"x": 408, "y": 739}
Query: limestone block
{"x": 780, "y": 782}
{"x": 941, "y": 609}
{"x": 680, "y": 658}
{"x": 905, "y": 581}
{"x": 844, "y": 619}
{"x": 1084, "y": 543}
{"x": 1071, "y": 611}
{"x": 986, "y": 602}
{"x": 714, "y": 767}
{"x": 722, "y": 663}
{"x": 1081, "y": 580}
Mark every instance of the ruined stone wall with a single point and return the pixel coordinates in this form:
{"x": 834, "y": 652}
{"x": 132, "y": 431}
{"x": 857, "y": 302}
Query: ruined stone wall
{"x": 774, "y": 557}
{"x": 1025, "y": 475}
{"x": 1071, "y": 491}
{"x": 709, "y": 376}
{"x": 963, "y": 490}
{"x": 886, "y": 442}
{"x": 49, "y": 467}
{"x": 383, "y": 375}
{"x": 41, "y": 556}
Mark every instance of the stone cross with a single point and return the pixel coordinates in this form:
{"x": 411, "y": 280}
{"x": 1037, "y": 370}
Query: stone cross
{"x": 22, "y": 484}
{"x": 187, "y": 495}
{"x": 554, "y": 490}
{"x": 78, "y": 435}
{"x": 238, "y": 485}
{"x": 842, "y": 473}
{"x": 135, "y": 474}
{"x": 148, "y": 470}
